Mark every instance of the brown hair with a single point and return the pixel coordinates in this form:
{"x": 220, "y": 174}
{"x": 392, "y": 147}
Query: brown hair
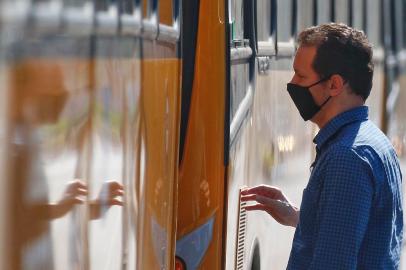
{"x": 341, "y": 50}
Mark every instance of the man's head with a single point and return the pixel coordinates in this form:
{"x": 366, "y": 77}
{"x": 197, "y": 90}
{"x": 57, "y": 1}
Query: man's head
{"x": 333, "y": 71}
{"x": 341, "y": 50}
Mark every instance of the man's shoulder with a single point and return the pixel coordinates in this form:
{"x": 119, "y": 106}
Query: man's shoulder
{"x": 363, "y": 138}
{"x": 365, "y": 143}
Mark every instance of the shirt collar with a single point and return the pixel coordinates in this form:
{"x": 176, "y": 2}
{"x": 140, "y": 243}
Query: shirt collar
{"x": 354, "y": 115}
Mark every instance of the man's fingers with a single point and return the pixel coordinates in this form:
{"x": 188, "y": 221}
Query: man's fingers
{"x": 78, "y": 200}
{"x": 81, "y": 191}
{"x": 78, "y": 184}
{"x": 74, "y": 200}
{"x": 115, "y": 193}
{"x": 259, "y": 199}
{"x": 257, "y": 206}
{"x": 113, "y": 184}
{"x": 115, "y": 202}
{"x": 264, "y": 190}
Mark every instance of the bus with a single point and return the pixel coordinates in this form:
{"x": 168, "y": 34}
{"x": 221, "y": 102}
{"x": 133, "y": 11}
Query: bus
{"x": 128, "y": 128}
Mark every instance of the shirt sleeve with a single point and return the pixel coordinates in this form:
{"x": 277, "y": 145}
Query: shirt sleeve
{"x": 343, "y": 210}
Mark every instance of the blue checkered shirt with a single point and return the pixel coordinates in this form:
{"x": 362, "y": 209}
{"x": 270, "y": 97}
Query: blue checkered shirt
{"x": 351, "y": 214}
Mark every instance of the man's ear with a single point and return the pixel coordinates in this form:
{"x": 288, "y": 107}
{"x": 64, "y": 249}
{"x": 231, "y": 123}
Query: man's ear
{"x": 336, "y": 84}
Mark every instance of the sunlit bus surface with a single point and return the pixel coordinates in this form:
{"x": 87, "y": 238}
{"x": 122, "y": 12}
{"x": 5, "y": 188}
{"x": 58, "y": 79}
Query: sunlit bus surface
{"x": 128, "y": 128}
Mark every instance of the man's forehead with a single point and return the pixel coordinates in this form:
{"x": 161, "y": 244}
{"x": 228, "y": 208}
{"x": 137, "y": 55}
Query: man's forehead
{"x": 304, "y": 58}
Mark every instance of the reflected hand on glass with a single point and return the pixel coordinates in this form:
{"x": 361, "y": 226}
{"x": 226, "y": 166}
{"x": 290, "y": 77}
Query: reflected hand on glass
{"x": 108, "y": 196}
{"x": 272, "y": 200}
{"x": 74, "y": 194}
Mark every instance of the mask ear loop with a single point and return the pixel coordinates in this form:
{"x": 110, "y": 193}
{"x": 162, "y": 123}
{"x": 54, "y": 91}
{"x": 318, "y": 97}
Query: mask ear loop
{"x": 322, "y": 80}
{"x": 324, "y": 103}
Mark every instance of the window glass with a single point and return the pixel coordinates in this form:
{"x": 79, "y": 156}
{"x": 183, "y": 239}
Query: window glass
{"x": 358, "y": 14}
{"x": 237, "y": 19}
{"x": 102, "y": 5}
{"x": 128, "y": 6}
{"x": 398, "y": 13}
{"x": 323, "y": 11}
{"x": 304, "y": 14}
{"x": 74, "y": 3}
{"x": 404, "y": 25}
{"x": 145, "y": 9}
{"x": 166, "y": 12}
{"x": 239, "y": 85}
{"x": 49, "y": 146}
{"x": 342, "y": 11}
{"x": 264, "y": 30}
{"x": 373, "y": 22}
{"x": 284, "y": 24}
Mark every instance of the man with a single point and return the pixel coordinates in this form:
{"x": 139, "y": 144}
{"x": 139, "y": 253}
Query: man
{"x": 351, "y": 214}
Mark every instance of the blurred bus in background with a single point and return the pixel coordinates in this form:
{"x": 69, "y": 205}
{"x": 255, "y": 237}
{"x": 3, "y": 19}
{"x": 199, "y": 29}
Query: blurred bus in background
{"x": 129, "y": 127}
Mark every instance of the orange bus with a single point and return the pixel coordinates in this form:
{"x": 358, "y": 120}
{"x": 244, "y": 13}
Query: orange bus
{"x": 129, "y": 127}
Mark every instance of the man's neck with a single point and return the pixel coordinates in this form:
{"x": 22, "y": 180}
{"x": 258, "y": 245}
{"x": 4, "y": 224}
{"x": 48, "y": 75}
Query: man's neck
{"x": 334, "y": 109}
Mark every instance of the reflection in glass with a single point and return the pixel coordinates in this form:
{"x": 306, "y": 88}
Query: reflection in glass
{"x": 128, "y": 6}
{"x": 239, "y": 85}
{"x": 304, "y": 14}
{"x": 237, "y": 19}
{"x": 374, "y": 22}
{"x": 146, "y": 8}
{"x": 323, "y": 11}
{"x": 342, "y": 11}
{"x": 264, "y": 20}
{"x": 285, "y": 21}
{"x": 166, "y": 11}
{"x": 358, "y": 14}
{"x": 74, "y": 3}
{"x": 42, "y": 191}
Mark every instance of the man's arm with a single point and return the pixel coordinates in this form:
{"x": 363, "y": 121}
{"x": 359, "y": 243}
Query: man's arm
{"x": 343, "y": 212}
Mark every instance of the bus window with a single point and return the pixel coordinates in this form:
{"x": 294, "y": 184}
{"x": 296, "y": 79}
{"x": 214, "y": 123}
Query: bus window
{"x": 149, "y": 8}
{"x": 145, "y": 11}
{"x": 404, "y": 24}
{"x": 166, "y": 12}
{"x": 241, "y": 66}
{"x": 106, "y": 16}
{"x": 286, "y": 27}
{"x": 168, "y": 20}
{"x": 13, "y": 25}
{"x": 237, "y": 20}
{"x": 73, "y": 3}
{"x": 397, "y": 34}
{"x": 342, "y": 11}
{"x": 304, "y": 14}
{"x": 266, "y": 26}
{"x": 284, "y": 24}
{"x": 77, "y": 17}
{"x": 150, "y": 18}
{"x": 373, "y": 22}
{"x": 46, "y": 15}
{"x": 128, "y": 6}
{"x": 130, "y": 17}
{"x": 324, "y": 11}
{"x": 391, "y": 26}
{"x": 264, "y": 20}
{"x": 358, "y": 14}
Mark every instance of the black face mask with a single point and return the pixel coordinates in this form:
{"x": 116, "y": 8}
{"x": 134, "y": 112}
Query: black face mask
{"x": 303, "y": 99}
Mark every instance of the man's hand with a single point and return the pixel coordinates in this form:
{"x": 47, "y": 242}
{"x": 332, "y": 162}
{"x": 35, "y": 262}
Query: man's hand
{"x": 109, "y": 195}
{"x": 75, "y": 193}
{"x": 274, "y": 202}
